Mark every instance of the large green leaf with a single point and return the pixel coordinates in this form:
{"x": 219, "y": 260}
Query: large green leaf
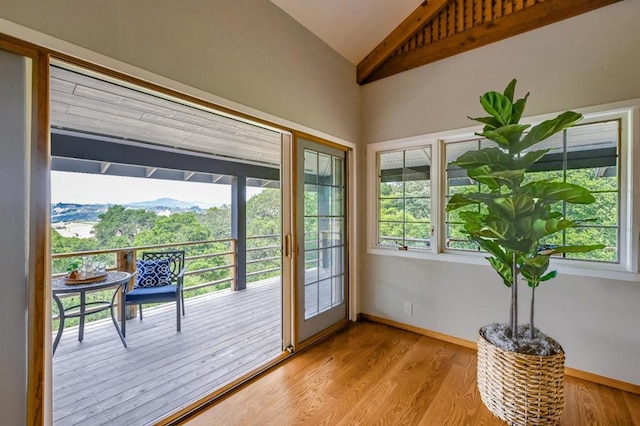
{"x": 546, "y": 129}
{"x": 517, "y": 245}
{"x": 551, "y": 192}
{"x": 510, "y": 89}
{"x": 548, "y": 276}
{"x": 494, "y": 249}
{"x": 518, "y": 109}
{"x": 508, "y": 177}
{"x": 542, "y": 228}
{"x": 528, "y": 159}
{"x": 492, "y": 157}
{"x": 498, "y": 106}
{"x": 483, "y": 174}
{"x": 458, "y": 201}
{"x": 473, "y": 221}
{"x": 542, "y": 212}
{"x": 524, "y": 225}
{"x": 491, "y": 123}
{"x": 503, "y": 270}
{"x": 494, "y": 229}
{"x": 536, "y": 262}
{"x": 505, "y": 135}
{"x": 534, "y": 272}
{"x": 510, "y": 207}
{"x": 474, "y": 217}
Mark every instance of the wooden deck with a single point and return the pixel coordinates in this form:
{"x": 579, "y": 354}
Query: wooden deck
{"x": 224, "y": 334}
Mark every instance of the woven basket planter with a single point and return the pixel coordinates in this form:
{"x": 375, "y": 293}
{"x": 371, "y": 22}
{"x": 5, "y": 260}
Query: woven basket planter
{"x": 520, "y": 389}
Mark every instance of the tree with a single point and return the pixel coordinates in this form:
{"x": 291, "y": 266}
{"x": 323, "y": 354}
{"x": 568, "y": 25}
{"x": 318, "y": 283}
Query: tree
{"x": 176, "y": 228}
{"x": 118, "y": 226}
{"x": 263, "y": 218}
{"x": 218, "y": 221}
{"x": 263, "y": 213}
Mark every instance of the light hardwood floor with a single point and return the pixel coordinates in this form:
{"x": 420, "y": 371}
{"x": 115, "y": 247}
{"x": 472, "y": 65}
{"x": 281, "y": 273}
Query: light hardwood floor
{"x": 375, "y": 374}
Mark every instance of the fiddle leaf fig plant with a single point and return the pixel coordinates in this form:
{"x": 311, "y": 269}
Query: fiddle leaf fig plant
{"x": 512, "y": 219}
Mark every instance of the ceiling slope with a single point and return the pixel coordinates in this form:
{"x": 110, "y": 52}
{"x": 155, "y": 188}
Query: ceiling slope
{"x": 438, "y": 29}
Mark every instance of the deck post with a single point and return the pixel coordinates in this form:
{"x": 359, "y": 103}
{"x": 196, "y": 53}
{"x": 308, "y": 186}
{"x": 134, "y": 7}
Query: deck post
{"x": 126, "y": 261}
{"x": 239, "y": 228}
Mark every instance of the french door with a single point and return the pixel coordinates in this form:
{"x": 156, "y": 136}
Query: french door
{"x": 321, "y": 261}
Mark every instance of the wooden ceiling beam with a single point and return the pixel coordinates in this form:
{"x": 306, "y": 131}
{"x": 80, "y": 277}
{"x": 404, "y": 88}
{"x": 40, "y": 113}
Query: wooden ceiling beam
{"x": 418, "y": 18}
{"x": 521, "y": 21}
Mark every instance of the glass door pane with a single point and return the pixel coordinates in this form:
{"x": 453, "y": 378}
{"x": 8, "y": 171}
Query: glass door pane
{"x": 321, "y": 261}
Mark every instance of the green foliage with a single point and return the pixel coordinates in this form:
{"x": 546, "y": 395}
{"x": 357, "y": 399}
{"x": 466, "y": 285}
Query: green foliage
{"x": 513, "y": 219}
{"x": 218, "y": 221}
{"x": 175, "y": 228}
{"x": 263, "y": 218}
{"x": 73, "y": 266}
{"x": 118, "y": 226}
{"x": 404, "y": 212}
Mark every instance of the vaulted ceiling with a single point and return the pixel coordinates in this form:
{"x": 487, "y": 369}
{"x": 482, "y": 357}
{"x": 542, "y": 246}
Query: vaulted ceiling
{"x": 436, "y": 29}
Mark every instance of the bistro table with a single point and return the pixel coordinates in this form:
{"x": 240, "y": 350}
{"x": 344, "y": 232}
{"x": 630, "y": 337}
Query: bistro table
{"x": 59, "y": 286}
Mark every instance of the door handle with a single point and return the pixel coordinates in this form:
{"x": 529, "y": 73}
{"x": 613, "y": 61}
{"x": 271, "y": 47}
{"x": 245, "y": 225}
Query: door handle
{"x": 287, "y": 246}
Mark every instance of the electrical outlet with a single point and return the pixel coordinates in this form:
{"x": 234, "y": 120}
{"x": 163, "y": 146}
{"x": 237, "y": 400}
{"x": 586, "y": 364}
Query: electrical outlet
{"x": 408, "y": 308}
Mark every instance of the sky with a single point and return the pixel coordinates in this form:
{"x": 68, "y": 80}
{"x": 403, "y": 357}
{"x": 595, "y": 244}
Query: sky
{"x": 84, "y": 188}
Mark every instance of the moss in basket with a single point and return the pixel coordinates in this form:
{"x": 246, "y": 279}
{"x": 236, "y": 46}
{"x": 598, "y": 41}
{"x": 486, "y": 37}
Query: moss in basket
{"x": 512, "y": 220}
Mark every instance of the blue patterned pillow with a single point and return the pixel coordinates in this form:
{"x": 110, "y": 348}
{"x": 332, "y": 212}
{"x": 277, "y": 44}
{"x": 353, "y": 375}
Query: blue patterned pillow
{"x": 152, "y": 273}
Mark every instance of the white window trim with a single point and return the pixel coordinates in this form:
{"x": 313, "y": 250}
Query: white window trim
{"x": 628, "y": 268}
{"x": 372, "y": 182}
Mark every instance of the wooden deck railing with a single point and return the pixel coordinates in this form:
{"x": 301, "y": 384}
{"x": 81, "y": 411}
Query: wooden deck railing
{"x": 124, "y": 259}
{"x": 258, "y": 254}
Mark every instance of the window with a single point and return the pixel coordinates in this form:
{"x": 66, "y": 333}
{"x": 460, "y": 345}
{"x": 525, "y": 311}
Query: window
{"x": 585, "y": 155}
{"x": 404, "y": 198}
{"x": 459, "y": 183}
{"x": 411, "y": 180}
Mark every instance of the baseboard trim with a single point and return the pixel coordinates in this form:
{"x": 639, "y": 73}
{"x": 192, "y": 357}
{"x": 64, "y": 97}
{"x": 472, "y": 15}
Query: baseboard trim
{"x": 579, "y": 374}
{"x": 423, "y": 331}
{"x": 602, "y": 380}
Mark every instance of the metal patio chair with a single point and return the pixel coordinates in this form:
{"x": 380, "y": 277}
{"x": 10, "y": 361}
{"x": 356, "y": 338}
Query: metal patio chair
{"x": 159, "y": 279}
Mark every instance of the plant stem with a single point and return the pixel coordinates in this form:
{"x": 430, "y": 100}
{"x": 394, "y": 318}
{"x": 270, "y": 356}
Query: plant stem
{"x": 532, "y": 333}
{"x": 514, "y": 299}
{"x": 510, "y": 330}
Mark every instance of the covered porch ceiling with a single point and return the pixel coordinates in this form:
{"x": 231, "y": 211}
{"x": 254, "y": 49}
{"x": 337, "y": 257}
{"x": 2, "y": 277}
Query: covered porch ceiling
{"x": 105, "y": 127}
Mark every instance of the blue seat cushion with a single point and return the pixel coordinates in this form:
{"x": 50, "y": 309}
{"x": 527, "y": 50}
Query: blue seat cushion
{"x": 152, "y": 294}
{"x": 152, "y": 273}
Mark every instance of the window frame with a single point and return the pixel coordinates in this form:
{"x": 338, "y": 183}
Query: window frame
{"x": 400, "y": 145}
{"x": 403, "y": 243}
{"x": 628, "y": 114}
{"x": 481, "y": 142}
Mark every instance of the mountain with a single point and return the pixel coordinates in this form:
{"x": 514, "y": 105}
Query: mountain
{"x": 74, "y": 212}
{"x": 168, "y": 203}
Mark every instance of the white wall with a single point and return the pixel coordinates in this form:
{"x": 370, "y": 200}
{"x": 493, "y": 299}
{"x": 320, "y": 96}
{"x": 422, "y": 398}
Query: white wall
{"x": 588, "y": 60}
{"x": 14, "y": 125}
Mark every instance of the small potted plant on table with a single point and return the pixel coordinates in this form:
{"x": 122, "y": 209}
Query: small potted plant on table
{"x": 520, "y": 370}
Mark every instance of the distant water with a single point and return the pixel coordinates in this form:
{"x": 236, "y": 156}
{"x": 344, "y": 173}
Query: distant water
{"x": 75, "y": 229}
